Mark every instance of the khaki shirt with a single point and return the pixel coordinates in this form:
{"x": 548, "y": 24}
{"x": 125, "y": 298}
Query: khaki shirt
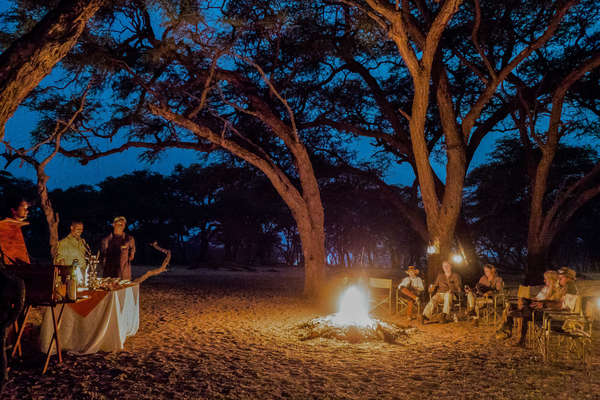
{"x": 71, "y": 248}
{"x": 452, "y": 283}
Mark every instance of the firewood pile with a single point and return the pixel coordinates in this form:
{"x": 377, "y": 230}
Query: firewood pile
{"x": 379, "y": 331}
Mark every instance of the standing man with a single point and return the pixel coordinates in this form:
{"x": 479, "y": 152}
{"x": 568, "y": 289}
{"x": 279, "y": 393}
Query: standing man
{"x": 117, "y": 251}
{"x": 12, "y": 242}
{"x": 448, "y": 285}
{"x": 73, "y": 247}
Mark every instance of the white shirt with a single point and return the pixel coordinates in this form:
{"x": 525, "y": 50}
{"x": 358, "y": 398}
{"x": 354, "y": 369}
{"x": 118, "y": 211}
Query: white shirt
{"x": 412, "y": 283}
{"x": 543, "y": 294}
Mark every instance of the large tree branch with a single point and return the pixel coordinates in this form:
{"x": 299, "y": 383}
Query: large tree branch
{"x": 30, "y": 58}
{"x": 484, "y": 98}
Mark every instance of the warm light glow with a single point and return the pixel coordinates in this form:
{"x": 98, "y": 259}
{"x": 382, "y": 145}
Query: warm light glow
{"x": 81, "y": 281}
{"x": 457, "y": 258}
{"x": 353, "y": 308}
{"x": 431, "y": 249}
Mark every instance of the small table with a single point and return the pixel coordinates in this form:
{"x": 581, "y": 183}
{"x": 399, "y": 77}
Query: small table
{"x": 101, "y": 322}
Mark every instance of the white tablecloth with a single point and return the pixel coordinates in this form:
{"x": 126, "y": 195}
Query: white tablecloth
{"x": 105, "y": 328}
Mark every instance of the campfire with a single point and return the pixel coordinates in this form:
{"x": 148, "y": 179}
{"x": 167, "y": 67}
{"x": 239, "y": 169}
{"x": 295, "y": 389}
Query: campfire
{"x": 352, "y": 322}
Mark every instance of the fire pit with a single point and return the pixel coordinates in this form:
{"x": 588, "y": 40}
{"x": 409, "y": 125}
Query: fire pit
{"x": 352, "y": 322}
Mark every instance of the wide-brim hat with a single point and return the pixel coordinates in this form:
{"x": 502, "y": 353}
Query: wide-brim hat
{"x": 567, "y": 271}
{"x": 120, "y": 218}
{"x": 412, "y": 268}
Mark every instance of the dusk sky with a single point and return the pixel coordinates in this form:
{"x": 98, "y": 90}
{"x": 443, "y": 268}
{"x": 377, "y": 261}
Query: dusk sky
{"x": 65, "y": 172}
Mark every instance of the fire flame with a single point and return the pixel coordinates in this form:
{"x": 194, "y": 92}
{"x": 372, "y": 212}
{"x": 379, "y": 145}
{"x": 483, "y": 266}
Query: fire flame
{"x": 353, "y": 308}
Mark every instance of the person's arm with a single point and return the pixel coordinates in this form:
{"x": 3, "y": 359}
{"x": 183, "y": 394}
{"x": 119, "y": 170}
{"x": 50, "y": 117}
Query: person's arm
{"x": 404, "y": 283}
{"x": 131, "y": 249}
{"x": 499, "y": 284}
{"x": 103, "y": 250}
{"x": 419, "y": 284}
{"x": 457, "y": 283}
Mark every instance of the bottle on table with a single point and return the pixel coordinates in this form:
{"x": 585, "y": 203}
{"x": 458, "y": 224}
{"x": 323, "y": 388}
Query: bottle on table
{"x": 72, "y": 281}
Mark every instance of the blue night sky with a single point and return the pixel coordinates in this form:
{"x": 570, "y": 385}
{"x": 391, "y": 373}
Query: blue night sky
{"x": 65, "y": 172}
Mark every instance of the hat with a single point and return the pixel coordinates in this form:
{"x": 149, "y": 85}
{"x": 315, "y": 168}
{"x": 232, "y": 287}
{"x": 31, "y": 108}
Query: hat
{"x": 413, "y": 269}
{"x": 119, "y": 218}
{"x": 567, "y": 271}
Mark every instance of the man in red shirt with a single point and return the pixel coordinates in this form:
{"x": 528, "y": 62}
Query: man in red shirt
{"x": 12, "y": 243}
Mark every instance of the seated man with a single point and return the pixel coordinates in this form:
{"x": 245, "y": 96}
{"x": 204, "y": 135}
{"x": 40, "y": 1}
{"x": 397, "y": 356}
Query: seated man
{"x": 546, "y": 298}
{"x": 567, "y": 289}
{"x": 448, "y": 285}
{"x": 489, "y": 284}
{"x": 411, "y": 288}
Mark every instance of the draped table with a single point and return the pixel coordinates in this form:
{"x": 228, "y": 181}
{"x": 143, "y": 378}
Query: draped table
{"x": 100, "y": 323}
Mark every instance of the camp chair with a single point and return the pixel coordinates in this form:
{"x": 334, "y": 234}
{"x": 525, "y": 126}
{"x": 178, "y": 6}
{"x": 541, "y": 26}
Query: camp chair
{"x": 456, "y": 306}
{"x": 402, "y": 302}
{"x": 567, "y": 334}
{"x": 492, "y": 307}
{"x": 380, "y": 293}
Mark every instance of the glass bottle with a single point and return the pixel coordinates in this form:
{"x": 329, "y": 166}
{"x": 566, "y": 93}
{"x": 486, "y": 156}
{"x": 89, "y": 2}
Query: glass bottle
{"x": 72, "y": 281}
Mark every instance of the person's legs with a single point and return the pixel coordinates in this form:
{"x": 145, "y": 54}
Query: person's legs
{"x": 430, "y": 307}
{"x": 411, "y": 297}
{"x": 447, "y": 303}
{"x": 470, "y": 301}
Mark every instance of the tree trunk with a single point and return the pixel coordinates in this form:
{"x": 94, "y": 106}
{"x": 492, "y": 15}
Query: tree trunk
{"x": 537, "y": 263}
{"x": 30, "y": 58}
{"x": 51, "y": 217}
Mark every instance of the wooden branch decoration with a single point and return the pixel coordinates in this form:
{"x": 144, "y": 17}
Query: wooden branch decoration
{"x": 159, "y": 270}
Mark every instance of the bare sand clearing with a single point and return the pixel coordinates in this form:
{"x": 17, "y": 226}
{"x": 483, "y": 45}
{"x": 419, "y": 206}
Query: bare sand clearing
{"x": 232, "y": 334}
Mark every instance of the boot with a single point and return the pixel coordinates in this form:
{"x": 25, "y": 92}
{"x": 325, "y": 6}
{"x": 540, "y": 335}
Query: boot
{"x": 504, "y": 332}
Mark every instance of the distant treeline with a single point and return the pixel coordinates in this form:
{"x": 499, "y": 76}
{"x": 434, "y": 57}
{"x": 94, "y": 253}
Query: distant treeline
{"x": 230, "y": 213}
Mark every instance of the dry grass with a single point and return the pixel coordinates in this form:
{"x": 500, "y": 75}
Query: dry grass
{"x": 232, "y": 334}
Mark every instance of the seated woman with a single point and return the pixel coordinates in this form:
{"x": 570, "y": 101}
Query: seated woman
{"x": 411, "y": 289}
{"x": 546, "y": 298}
{"x": 489, "y": 284}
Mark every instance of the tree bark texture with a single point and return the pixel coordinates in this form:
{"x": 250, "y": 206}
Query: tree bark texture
{"x": 31, "y": 58}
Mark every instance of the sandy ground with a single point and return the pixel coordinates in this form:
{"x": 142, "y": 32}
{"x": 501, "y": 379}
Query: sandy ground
{"x": 233, "y": 334}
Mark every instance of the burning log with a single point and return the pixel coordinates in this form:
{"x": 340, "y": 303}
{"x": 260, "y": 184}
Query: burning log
{"x": 352, "y": 322}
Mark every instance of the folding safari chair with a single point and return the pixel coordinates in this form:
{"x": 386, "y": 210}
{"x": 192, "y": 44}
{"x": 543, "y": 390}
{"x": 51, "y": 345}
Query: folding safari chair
{"x": 380, "y": 293}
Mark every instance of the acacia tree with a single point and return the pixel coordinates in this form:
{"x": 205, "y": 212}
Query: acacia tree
{"x": 32, "y": 56}
{"x": 417, "y": 30}
{"x": 498, "y": 201}
{"x": 551, "y": 208}
{"x": 195, "y": 87}
{"x": 39, "y": 163}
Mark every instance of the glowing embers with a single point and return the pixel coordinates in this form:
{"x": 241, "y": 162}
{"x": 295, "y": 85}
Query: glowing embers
{"x": 352, "y": 322}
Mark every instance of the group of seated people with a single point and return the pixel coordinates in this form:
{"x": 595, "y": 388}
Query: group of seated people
{"x": 558, "y": 293}
{"x": 445, "y": 290}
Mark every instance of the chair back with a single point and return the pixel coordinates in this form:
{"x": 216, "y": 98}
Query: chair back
{"x": 380, "y": 283}
{"x": 524, "y": 292}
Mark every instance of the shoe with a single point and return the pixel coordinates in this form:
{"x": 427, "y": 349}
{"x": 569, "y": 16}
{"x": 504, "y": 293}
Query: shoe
{"x": 520, "y": 343}
{"x": 475, "y": 322}
{"x": 445, "y": 319}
